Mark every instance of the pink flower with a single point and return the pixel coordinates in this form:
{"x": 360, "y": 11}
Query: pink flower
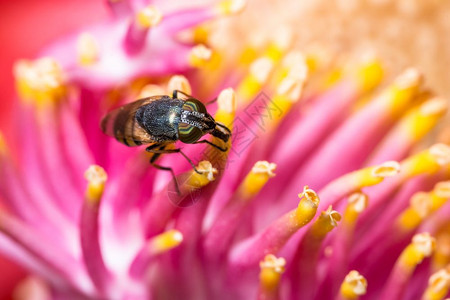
{"x": 324, "y": 192}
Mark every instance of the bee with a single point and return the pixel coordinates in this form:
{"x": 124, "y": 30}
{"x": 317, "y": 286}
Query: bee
{"x": 160, "y": 121}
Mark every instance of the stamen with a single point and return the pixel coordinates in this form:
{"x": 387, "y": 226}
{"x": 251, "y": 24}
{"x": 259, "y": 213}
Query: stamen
{"x": 252, "y": 84}
{"x": 148, "y": 17}
{"x": 161, "y": 243}
{"x": 206, "y": 169}
{"x": 438, "y": 285}
{"x": 158, "y": 211}
{"x": 87, "y": 49}
{"x": 353, "y": 286}
{"x": 199, "y": 56}
{"x": 424, "y": 204}
{"x": 421, "y": 120}
{"x": 151, "y": 90}
{"x": 441, "y": 257}
{"x": 422, "y": 246}
{"x": 179, "y": 82}
{"x": 252, "y": 250}
{"x": 41, "y": 80}
{"x": 137, "y": 33}
{"x": 427, "y": 162}
{"x": 357, "y": 203}
{"x": 96, "y": 177}
{"x": 342, "y": 244}
{"x": 369, "y": 73}
{"x": 374, "y": 175}
{"x": 326, "y": 222}
{"x": 226, "y": 223}
{"x": 307, "y": 254}
{"x": 291, "y": 88}
{"x": 281, "y": 42}
{"x": 227, "y": 101}
{"x": 89, "y": 230}
{"x": 269, "y": 277}
{"x": 256, "y": 179}
{"x": 231, "y": 7}
{"x": 405, "y": 87}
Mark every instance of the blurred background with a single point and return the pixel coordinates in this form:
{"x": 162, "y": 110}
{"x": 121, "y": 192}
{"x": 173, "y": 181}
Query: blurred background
{"x": 402, "y": 33}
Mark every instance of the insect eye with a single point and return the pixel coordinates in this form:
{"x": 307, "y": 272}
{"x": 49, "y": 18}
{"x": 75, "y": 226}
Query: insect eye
{"x": 194, "y": 105}
{"x": 189, "y": 134}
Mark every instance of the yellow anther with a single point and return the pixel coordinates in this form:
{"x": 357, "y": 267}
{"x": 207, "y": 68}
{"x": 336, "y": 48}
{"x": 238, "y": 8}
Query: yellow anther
{"x": 369, "y": 74}
{"x": 199, "y": 56}
{"x": 227, "y": 101}
{"x": 422, "y": 119}
{"x": 87, "y": 49}
{"x": 206, "y": 169}
{"x": 282, "y": 41}
{"x": 96, "y": 177}
{"x": 307, "y": 207}
{"x": 438, "y": 285}
{"x": 422, "y": 246}
{"x": 354, "y": 285}
{"x": 230, "y": 7}
{"x": 179, "y": 82}
{"x": 41, "y": 80}
{"x": 387, "y": 169}
{"x": 165, "y": 241}
{"x": 403, "y": 90}
{"x": 148, "y": 17}
{"x": 326, "y": 222}
{"x": 271, "y": 270}
{"x": 291, "y": 88}
{"x": 151, "y": 90}
{"x": 261, "y": 172}
{"x": 357, "y": 203}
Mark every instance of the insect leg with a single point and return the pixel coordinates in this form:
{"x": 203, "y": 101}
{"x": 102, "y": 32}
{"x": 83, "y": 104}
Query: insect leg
{"x": 176, "y": 92}
{"x": 211, "y": 144}
{"x": 159, "y": 167}
{"x": 211, "y": 101}
{"x": 161, "y": 150}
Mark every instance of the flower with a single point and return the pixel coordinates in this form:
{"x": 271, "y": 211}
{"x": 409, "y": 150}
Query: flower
{"x": 325, "y": 189}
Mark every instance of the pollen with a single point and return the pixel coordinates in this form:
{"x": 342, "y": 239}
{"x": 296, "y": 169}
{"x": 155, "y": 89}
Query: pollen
{"x": 150, "y": 90}
{"x": 96, "y": 177}
{"x": 386, "y": 169}
{"x": 148, "y": 17}
{"x": 206, "y": 168}
{"x": 438, "y": 285}
{"x": 227, "y": 100}
{"x": 41, "y": 80}
{"x": 310, "y": 196}
{"x": 272, "y": 262}
{"x": 179, "y": 82}
{"x": 442, "y": 189}
{"x": 87, "y": 49}
{"x": 261, "y": 68}
{"x": 291, "y": 88}
{"x": 424, "y": 243}
{"x": 264, "y": 167}
{"x": 261, "y": 172}
{"x": 441, "y": 153}
{"x": 165, "y": 241}
{"x": 358, "y": 201}
{"x": 354, "y": 285}
{"x": 199, "y": 55}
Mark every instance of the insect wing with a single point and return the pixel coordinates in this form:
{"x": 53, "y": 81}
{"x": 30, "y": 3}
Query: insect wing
{"x": 121, "y": 123}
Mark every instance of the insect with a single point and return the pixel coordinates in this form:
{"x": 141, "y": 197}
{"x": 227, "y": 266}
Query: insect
{"x": 161, "y": 121}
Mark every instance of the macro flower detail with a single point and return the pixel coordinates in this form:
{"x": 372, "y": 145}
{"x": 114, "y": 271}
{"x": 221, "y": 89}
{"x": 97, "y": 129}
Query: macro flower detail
{"x": 333, "y": 184}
